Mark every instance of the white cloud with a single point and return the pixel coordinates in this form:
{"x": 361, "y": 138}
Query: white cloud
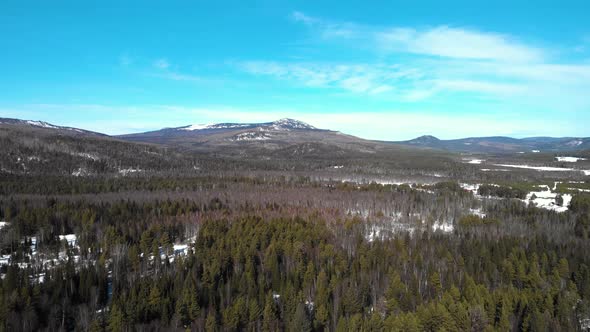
{"x": 356, "y": 78}
{"x": 438, "y": 41}
{"x": 444, "y": 41}
{"x": 301, "y": 17}
{"x": 445, "y": 61}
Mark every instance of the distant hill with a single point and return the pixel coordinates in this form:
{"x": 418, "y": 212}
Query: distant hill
{"x": 284, "y": 138}
{"x": 41, "y": 125}
{"x": 40, "y": 148}
{"x": 33, "y": 147}
{"x": 501, "y": 144}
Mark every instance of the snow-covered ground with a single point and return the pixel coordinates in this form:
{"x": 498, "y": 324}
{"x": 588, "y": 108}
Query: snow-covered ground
{"x": 49, "y": 260}
{"x": 81, "y": 172}
{"x": 42, "y": 124}
{"x": 580, "y": 190}
{"x": 251, "y": 136}
{"x": 547, "y": 199}
{"x": 470, "y": 187}
{"x": 478, "y": 212}
{"x": 3, "y": 224}
{"x": 494, "y": 170}
{"x": 71, "y": 239}
{"x": 87, "y": 156}
{"x": 444, "y": 227}
{"x": 475, "y": 161}
{"x": 380, "y": 232}
{"x": 196, "y": 127}
{"x": 541, "y": 168}
{"x": 128, "y": 171}
{"x": 569, "y": 159}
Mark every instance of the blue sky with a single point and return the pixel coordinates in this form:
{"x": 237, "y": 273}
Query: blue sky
{"x": 382, "y": 70}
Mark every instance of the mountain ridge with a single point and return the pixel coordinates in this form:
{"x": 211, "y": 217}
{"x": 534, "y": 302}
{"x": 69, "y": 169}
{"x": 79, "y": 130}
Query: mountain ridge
{"x": 288, "y": 129}
{"x": 502, "y": 144}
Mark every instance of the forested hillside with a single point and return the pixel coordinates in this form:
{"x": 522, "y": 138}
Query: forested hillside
{"x": 231, "y": 254}
{"x": 100, "y": 234}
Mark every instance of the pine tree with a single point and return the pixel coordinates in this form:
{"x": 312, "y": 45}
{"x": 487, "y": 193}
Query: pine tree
{"x": 211, "y": 321}
{"x": 300, "y": 322}
{"x": 322, "y": 301}
{"x": 269, "y": 321}
{"x": 116, "y": 320}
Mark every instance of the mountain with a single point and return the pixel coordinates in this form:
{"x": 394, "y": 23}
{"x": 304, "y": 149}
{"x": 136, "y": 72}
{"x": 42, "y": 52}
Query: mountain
{"x": 294, "y": 145}
{"x": 287, "y": 136}
{"x": 40, "y": 148}
{"x": 35, "y": 147}
{"x": 499, "y": 144}
{"x": 229, "y": 131}
{"x": 41, "y": 125}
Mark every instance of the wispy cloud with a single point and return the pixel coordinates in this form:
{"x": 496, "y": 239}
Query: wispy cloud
{"x": 357, "y": 78}
{"x": 301, "y": 17}
{"x": 444, "y": 41}
{"x": 415, "y": 64}
{"x": 439, "y": 41}
{"x": 166, "y": 71}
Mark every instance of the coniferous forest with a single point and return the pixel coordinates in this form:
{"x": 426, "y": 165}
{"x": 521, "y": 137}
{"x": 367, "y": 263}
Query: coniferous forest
{"x": 276, "y": 253}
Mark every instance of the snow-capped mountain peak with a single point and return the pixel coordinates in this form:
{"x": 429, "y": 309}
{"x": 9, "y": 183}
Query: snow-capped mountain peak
{"x": 282, "y": 124}
{"x": 195, "y": 127}
{"x": 40, "y": 124}
{"x": 287, "y": 123}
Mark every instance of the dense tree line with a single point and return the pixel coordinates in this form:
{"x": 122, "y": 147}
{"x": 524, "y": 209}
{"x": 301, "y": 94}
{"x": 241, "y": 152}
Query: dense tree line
{"x": 290, "y": 255}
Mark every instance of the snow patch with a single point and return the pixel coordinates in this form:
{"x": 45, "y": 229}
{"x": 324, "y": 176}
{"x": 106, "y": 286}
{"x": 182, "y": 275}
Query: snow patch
{"x": 580, "y": 190}
{"x": 80, "y": 172}
{"x": 575, "y": 143}
{"x": 87, "y": 156}
{"x": 478, "y": 212}
{"x": 540, "y": 168}
{"x": 470, "y": 187}
{"x": 128, "y": 171}
{"x": 287, "y": 123}
{"x": 71, "y": 239}
{"x": 569, "y": 159}
{"x": 251, "y": 136}
{"x": 444, "y": 227}
{"x": 196, "y": 127}
{"x": 42, "y": 124}
{"x": 548, "y": 200}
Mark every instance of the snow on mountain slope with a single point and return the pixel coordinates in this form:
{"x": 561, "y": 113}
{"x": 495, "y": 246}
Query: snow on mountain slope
{"x": 282, "y": 124}
{"x": 43, "y": 124}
